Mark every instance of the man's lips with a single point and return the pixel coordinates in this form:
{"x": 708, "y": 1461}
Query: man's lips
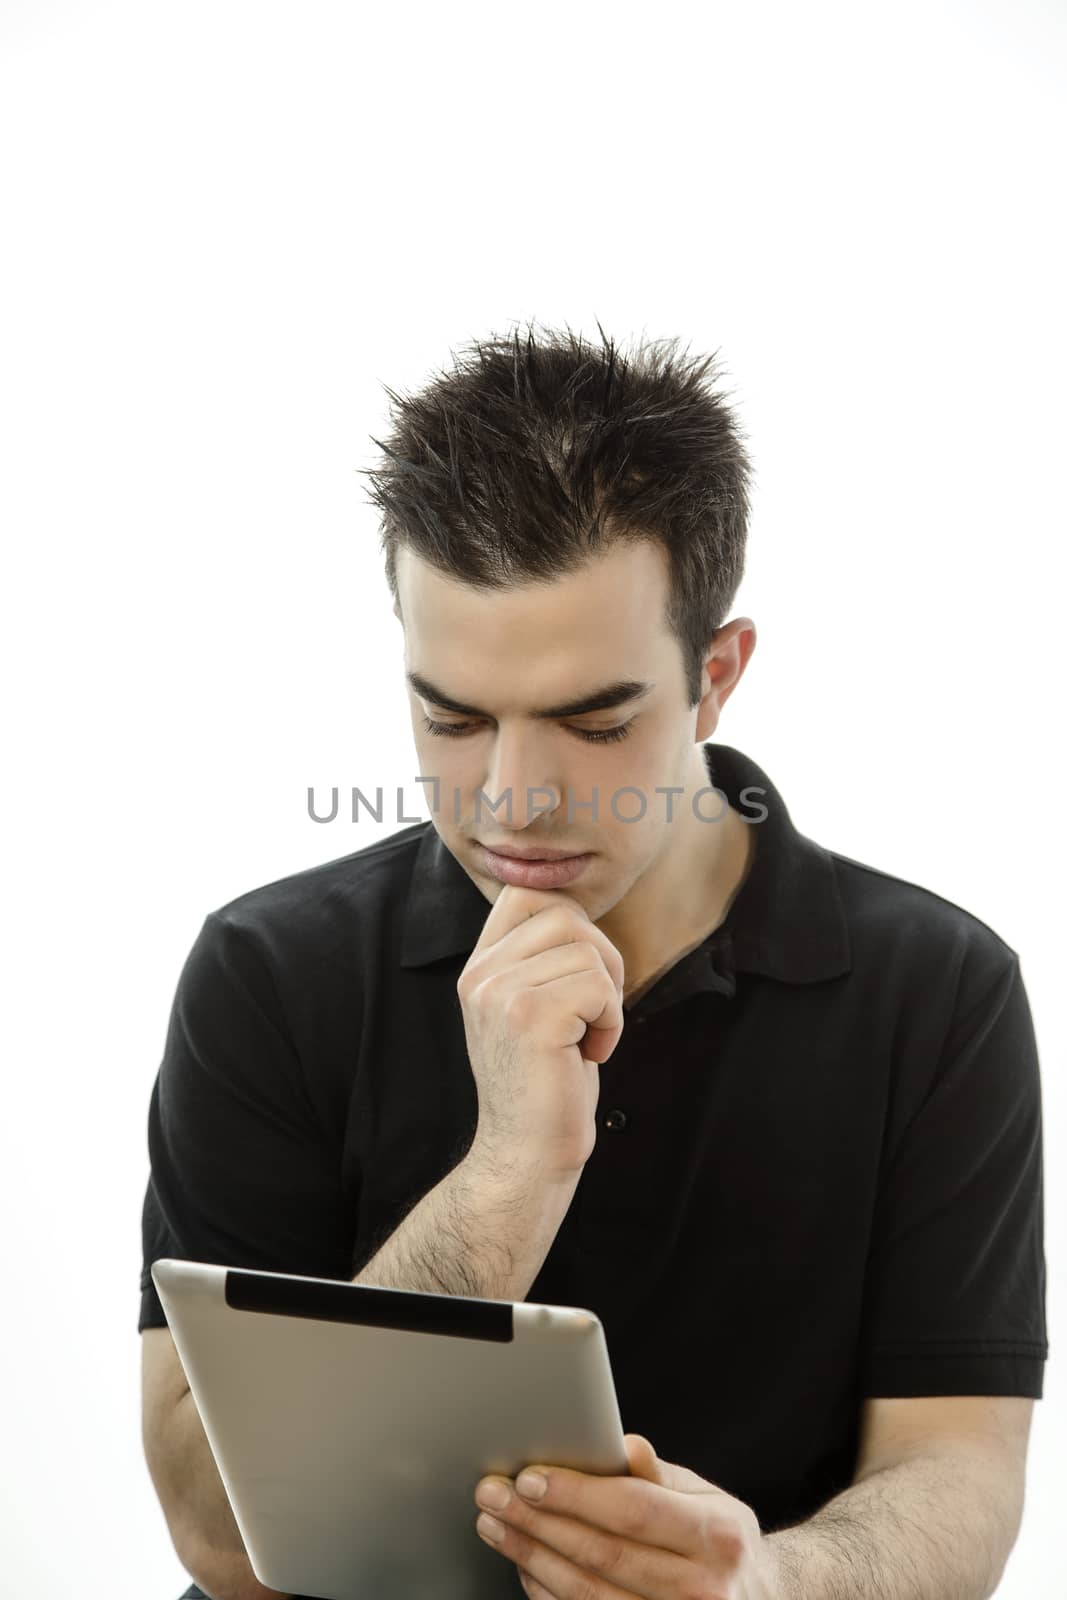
{"x": 531, "y": 872}
{"x": 532, "y": 854}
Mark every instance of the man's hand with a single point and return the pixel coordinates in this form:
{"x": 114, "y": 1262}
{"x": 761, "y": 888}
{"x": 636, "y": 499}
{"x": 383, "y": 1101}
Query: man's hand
{"x": 541, "y": 998}
{"x": 662, "y": 1534}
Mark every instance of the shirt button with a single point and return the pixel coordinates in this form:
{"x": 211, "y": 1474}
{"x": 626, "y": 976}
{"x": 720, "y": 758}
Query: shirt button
{"x": 615, "y": 1121}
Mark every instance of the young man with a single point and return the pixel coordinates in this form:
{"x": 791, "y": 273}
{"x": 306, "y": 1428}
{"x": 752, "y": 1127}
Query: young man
{"x": 773, "y": 1114}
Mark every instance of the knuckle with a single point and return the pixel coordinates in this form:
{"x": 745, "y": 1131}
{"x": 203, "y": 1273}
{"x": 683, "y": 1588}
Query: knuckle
{"x": 488, "y": 990}
{"x": 604, "y": 1555}
{"x": 701, "y": 1587}
{"x": 721, "y": 1543}
{"x": 732, "y": 1547}
{"x": 573, "y": 924}
{"x": 728, "y": 1544}
{"x": 556, "y": 919}
{"x": 521, "y": 1005}
{"x": 470, "y": 978}
{"x": 633, "y": 1520}
{"x": 520, "y": 1547}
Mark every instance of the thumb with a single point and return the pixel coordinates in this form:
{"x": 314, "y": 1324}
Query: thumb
{"x": 645, "y": 1463}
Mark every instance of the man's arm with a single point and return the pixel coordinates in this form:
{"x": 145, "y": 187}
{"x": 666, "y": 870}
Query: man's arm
{"x": 186, "y": 1479}
{"x": 482, "y": 1231}
{"x": 214, "y": 1554}
{"x": 941, "y": 1520}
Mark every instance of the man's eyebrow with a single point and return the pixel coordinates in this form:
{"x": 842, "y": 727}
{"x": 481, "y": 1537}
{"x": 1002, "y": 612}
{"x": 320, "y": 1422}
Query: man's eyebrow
{"x": 612, "y": 694}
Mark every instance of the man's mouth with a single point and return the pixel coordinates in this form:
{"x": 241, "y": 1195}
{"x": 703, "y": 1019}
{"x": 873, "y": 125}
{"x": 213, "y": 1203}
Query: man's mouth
{"x": 533, "y": 854}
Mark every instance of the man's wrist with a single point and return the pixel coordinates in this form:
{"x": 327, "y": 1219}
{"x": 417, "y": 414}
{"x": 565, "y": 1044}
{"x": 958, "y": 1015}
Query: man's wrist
{"x": 774, "y": 1575}
{"x": 515, "y": 1173}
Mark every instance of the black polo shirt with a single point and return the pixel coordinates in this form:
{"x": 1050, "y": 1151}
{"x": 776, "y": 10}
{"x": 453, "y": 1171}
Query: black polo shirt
{"x": 818, "y": 1168}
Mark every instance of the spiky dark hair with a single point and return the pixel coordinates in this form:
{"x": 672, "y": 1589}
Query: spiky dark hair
{"x": 532, "y": 453}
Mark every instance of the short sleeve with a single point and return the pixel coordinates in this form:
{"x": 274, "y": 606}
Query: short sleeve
{"x": 955, "y": 1291}
{"x": 241, "y": 1173}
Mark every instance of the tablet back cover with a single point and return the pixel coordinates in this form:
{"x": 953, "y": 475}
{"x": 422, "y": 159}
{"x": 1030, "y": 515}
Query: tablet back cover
{"x": 350, "y": 1443}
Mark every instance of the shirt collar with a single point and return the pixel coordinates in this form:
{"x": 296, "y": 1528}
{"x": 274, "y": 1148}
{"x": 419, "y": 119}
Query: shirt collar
{"x": 787, "y": 920}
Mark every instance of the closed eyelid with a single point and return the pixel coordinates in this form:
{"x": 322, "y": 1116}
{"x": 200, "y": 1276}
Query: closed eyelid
{"x": 564, "y": 721}
{"x": 615, "y": 731}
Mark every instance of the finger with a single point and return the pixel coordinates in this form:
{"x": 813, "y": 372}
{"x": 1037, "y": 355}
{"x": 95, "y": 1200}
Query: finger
{"x": 577, "y": 958}
{"x": 630, "y": 1509}
{"x": 579, "y": 1007}
{"x": 579, "y": 1003}
{"x": 645, "y": 1463}
{"x": 511, "y": 908}
{"x": 564, "y": 1555}
{"x": 565, "y": 996}
{"x": 515, "y": 911}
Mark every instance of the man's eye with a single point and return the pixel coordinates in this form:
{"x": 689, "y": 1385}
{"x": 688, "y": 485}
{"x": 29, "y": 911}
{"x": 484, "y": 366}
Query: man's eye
{"x": 456, "y": 730}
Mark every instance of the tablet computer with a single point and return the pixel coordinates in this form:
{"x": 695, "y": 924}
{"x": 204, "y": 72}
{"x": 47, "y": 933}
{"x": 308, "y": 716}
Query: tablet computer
{"x": 350, "y": 1424}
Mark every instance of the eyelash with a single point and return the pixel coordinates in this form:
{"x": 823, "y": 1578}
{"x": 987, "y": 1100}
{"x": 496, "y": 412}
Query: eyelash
{"x": 456, "y": 730}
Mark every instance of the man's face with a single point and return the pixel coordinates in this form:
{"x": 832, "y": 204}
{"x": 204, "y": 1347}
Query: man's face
{"x": 510, "y": 653}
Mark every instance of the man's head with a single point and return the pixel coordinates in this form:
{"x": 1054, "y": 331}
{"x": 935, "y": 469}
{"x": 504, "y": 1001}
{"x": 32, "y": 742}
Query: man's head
{"x": 558, "y": 521}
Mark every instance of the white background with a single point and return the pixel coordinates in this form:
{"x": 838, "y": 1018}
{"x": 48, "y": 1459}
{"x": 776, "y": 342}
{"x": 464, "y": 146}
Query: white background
{"x": 225, "y": 226}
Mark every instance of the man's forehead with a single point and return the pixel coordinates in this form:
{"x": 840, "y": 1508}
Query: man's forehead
{"x": 540, "y": 647}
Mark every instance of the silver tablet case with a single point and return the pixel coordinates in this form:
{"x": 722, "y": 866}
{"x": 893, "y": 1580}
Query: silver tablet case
{"x": 350, "y": 1424}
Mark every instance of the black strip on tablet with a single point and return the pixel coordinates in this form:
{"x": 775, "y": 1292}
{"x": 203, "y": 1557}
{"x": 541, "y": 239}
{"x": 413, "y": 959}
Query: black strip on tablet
{"x": 402, "y": 1309}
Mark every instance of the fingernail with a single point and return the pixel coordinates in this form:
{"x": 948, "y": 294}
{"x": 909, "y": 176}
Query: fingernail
{"x": 531, "y": 1485}
{"x": 493, "y": 1495}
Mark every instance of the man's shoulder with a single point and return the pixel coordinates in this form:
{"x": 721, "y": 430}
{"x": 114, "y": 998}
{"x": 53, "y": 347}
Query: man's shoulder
{"x": 888, "y": 914}
{"x": 363, "y": 891}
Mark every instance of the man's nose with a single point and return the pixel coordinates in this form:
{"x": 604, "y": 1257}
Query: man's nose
{"x": 518, "y": 782}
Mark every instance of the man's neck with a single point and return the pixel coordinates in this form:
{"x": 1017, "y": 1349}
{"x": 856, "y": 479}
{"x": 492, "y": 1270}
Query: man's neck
{"x": 678, "y": 907}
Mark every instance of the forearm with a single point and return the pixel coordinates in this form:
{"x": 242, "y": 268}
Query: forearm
{"x": 228, "y": 1575}
{"x": 939, "y": 1526}
{"x": 482, "y": 1231}
{"x": 206, "y": 1536}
